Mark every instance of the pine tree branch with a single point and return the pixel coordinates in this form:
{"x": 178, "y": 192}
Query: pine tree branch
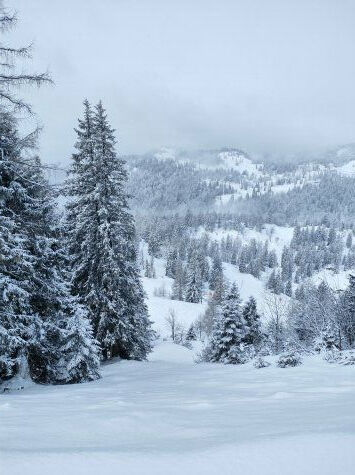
{"x": 19, "y": 104}
{"x": 24, "y": 51}
{"x": 7, "y": 20}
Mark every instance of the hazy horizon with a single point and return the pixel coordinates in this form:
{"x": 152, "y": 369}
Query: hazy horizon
{"x": 273, "y": 77}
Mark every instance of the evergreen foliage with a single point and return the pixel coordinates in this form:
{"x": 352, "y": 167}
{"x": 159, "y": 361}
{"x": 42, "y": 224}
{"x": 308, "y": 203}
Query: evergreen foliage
{"x": 35, "y": 303}
{"x": 250, "y": 314}
{"x": 79, "y": 353}
{"x": 102, "y": 242}
{"x": 230, "y": 330}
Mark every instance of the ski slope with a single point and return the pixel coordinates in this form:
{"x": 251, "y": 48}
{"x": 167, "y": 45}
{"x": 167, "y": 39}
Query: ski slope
{"x": 172, "y": 416}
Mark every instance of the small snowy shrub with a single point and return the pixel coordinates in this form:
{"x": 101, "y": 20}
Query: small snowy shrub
{"x": 238, "y": 354}
{"x": 348, "y": 360}
{"x": 261, "y": 363}
{"x": 205, "y": 355}
{"x": 325, "y": 342}
{"x": 265, "y": 351}
{"x": 332, "y": 355}
{"x": 289, "y": 360}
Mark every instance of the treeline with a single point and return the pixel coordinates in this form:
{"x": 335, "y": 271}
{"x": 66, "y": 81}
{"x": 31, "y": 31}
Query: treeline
{"x": 195, "y": 263}
{"x": 160, "y": 185}
{"x": 312, "y": 249}
{"x": 329, "y": 202}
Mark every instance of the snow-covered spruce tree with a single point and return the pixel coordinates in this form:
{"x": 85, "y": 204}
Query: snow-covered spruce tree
{"x": 250, "y": 314}
{"x": 16, "y": 263}
{"x": 217, "y": 281}
{"x": 193, "y": 285}
{"x": 230, "y": 330}
{"x": 216, "y": 274}
{"x": 179, "y": 284}
{"x": 171, "y": 263}
{"x": 78, "y": 352}
{"x": 191, "y": 333}
{"x": 347, "y": 312}
{"x": 34, "y": 300}
{"x": 274, "y": 284}
{"x": 101, "y": 242}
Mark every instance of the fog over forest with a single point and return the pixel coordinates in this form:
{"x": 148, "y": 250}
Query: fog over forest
{"x": 262, "y": 76}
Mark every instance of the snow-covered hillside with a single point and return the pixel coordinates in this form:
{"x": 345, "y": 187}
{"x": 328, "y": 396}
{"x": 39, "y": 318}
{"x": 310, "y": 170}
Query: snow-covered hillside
{"x": 159, "y": 288}
{"x": 253, "y": 177}
{"x": 159, "y": 307}
{"x": 347, "y": 169}
{"x": 171, "y": 416}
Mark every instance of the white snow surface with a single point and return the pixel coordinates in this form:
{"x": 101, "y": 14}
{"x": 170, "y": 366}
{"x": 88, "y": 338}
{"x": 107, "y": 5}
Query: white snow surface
{"x": 336, "y": 280}
{"x": 348, "y": 169}
{"x": 172, "y": 416}
{"x": 239, "y": 162}
{"x": 169, "y": 415}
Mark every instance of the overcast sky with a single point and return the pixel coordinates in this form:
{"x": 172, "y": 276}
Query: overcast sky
{"x": 255, "y": 74}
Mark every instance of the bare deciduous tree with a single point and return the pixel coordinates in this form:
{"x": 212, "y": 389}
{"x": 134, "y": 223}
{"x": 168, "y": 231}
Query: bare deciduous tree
{"x": 177, "y": 331}
{"x": 276, "y": 308}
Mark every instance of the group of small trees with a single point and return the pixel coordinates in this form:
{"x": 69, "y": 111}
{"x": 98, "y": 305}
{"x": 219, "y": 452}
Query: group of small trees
{"x": 320, "y": 317}
{"x": 317, "y": 320}
{"x": 190, "y": 268}
{"x": 236, "y": 334}
{"x": 311, "y": 249}
{"x": 178, "y": 333}
{"x": 189, "y": 275}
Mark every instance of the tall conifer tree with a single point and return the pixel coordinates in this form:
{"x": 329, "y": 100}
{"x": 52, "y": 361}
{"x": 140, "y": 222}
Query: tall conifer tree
{"x": 102, "y": 242}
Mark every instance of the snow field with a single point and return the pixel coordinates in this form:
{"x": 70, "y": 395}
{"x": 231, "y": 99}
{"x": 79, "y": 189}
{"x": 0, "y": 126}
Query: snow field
{"x": 169, "y": 415}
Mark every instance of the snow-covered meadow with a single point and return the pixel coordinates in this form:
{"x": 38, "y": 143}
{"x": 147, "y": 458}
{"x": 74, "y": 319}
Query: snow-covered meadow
{"x": 172, "y": 416}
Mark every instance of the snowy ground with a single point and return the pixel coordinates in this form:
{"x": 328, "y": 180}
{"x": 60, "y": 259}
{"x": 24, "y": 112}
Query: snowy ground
{"x": 336, "y": 281}
{"x": 171, "y": 416}
{"x": 348, "y": 169}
